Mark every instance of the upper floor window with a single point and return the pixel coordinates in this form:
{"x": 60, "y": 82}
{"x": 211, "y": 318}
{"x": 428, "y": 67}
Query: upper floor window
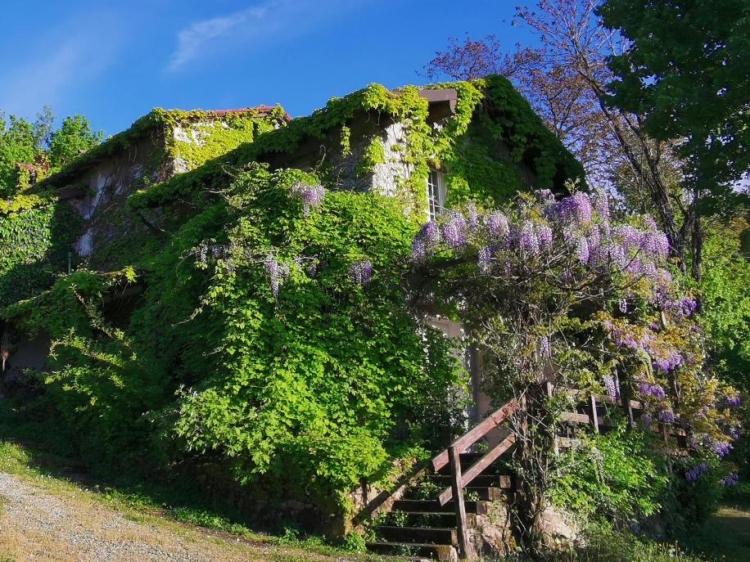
{"x": 435, "y": 193}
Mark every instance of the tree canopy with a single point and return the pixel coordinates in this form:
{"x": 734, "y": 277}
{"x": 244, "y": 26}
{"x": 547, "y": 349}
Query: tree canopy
{"x": 686, "y": 70}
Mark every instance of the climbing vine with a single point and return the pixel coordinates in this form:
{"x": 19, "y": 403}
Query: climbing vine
{"x": 34, "y": 246}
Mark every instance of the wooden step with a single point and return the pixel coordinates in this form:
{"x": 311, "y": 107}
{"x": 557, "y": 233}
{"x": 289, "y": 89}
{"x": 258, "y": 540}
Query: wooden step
{"x": 441, "y": 552}
{"x": 502, "y": 481}
{"x": 485, "y": 493}
{"x": 427, "y": 519}
{"x": 468, "y": 459}
{"x": 421, "y": 535}
{"x": 433, "y": 506}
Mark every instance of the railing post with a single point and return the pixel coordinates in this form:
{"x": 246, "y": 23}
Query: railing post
{"x": 458, "y": 497}
{"x": 594, "y": 415}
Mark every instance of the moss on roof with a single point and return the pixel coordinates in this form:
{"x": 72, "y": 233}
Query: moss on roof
{"x": 156, "y": 122}
{"x": 506, "y": 115}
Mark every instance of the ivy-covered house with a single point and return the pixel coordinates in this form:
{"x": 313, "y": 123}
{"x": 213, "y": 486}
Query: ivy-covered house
{"x": 209, "y": 302}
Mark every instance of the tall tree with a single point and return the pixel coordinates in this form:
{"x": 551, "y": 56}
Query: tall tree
{"x": 72, "y": 139}
{"x": 37, "y": 146}
{"x": 686, "y": 70}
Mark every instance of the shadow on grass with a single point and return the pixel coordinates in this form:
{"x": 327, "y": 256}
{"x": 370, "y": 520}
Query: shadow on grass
{"x": 725, "y": 536}
{"x": 44, "y": 449}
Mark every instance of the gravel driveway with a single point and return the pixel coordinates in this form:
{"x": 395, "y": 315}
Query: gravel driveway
{"x": 37, "y": 523}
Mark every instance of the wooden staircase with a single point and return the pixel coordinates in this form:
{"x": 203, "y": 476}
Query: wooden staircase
{"x": 437, "y": 526}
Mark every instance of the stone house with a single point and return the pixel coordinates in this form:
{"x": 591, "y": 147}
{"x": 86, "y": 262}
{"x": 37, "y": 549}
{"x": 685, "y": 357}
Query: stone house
{"x": 431, "y": 147}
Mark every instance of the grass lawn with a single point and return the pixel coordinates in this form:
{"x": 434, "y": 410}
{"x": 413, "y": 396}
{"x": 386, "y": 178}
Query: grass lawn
{"x": 726, "y": 536}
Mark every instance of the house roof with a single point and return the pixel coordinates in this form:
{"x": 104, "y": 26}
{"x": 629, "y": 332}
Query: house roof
{"x": 144, "y": 127}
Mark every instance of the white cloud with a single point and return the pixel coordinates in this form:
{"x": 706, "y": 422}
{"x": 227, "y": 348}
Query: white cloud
{"x": 256, "y": 26}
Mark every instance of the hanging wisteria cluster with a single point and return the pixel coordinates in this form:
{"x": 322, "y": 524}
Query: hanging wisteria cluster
{"x": 360, "y": 272}
{"x": 647, "y": 327}
{"x": 311, "y": 195}
{"x": 574, "y": 226}
{"x": 277, "y": 272}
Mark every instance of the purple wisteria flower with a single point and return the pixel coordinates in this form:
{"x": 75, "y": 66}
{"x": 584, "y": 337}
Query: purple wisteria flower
{"x": 594, "y": 237}
{"x": 418, "y": 250}
{"x": 688, "y": 306}
{"x": 277, "y": 272}
{"x": 483, "y": 257}
{"x": 545, "y": 196}
{"x": 666, "y": 416}
{"x": 545, "y": 235}
{"x": 454, "y": 230}
{"x": 601, "y": 205}
{"x": 544, "y": 346}
{"x": 582, "y": 250}
{"x": 472, "y": 218}
{"x": 630, "y": 237}
{"x": 730, "y": 479}
{"x": 655, "y": 245}
{"x": 575, "y": 209}
{"x": 721, "y": 448}
{"x": 695, "y": 473}
{"x": 629, "y": 339}
{"x": 732, "y": 401}
{"x": 653, "y": 390}
{"x": 310, "y": 195}
{"x": 425, "y": 241}
{"x": 668, "y": 362}
{"x": 528, "y": 240}
{"x": 610, "y": 386}
{"x": 497, "y": 225}
{"x": 360, "y": 272}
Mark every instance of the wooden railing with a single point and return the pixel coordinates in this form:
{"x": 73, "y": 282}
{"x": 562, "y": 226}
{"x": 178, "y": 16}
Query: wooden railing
{"x": 630, "y": 407}
{"x": 459, "y": 481}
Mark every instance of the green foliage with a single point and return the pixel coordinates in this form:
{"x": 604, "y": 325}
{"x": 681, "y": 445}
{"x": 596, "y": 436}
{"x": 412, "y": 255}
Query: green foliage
{"x": 72, "y": 139}
{"x": 685, "y": 70}
{"x": 34, "y": 246}
{"x": 30, "y": 150}
{"x": 615, "y": 477}
{"x": 726, "y": 301}
{"x": 315, "y": 388}
{"x": 315, "y": 381}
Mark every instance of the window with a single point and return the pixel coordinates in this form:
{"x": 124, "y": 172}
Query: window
{"x": 435, "y": 193}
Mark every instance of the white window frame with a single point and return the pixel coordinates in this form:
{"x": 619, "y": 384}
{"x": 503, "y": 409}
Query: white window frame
{"x": 436, "y": 192}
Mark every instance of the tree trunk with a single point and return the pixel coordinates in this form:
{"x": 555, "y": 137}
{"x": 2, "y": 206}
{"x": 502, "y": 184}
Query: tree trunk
{"x": 533, "y": 450}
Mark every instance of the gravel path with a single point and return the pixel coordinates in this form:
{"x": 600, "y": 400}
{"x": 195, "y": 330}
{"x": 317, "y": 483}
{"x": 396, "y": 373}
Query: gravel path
{"x": 37, "y": 523}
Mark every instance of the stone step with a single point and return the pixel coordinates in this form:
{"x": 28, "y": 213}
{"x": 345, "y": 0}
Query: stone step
{"x": 441, "y": 552}
{"x": 433, "y": 506}
{"x": 421, "y": 535}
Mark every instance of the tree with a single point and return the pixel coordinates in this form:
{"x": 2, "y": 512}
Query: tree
{"x": 685, "y": 71}
{"x": 563, "y": 292}
{"x": 30, "y": 150}
{"x": 72, "y": 139}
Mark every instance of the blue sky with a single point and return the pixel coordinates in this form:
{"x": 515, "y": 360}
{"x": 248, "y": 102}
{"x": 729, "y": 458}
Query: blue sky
{"x": 115, "y": 61}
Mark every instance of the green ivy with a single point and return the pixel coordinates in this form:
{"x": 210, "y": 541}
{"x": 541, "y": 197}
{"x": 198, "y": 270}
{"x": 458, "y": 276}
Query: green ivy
{"x": 34, "y": 247}
{"x": 489, "y": 113}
